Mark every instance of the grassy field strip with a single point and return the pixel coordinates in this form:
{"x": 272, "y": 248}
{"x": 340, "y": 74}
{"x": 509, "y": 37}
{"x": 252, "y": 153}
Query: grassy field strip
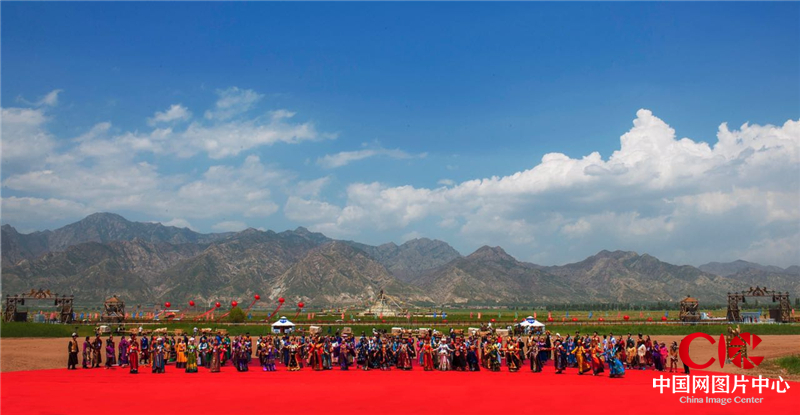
{"x": 655, "y": 328}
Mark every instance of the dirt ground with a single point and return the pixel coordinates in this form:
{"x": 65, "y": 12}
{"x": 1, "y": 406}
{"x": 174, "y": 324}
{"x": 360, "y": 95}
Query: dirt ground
{"x": 38, "y": 353}
{"x": 33, "y": 353}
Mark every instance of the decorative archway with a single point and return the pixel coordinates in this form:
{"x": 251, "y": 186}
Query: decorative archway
{"x": 63, "y": 303}
{"x": 781, "y": 314}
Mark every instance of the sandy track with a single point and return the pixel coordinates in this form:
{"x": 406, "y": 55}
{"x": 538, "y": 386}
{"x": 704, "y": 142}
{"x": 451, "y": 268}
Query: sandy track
{"x": 50, "y": 353}
{"x": 33, "y": 353}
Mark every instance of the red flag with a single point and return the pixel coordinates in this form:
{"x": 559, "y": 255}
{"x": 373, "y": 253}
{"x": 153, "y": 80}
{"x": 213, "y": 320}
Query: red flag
{"x": 534, "y": 315}
{"x": 563, "y": 319}
{"x": 342, "y": 316}
{"x": 641, "y": 314}
{"x": 470, "y": 314}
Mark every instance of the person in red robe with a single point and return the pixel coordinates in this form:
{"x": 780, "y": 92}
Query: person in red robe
{"x": 596, "y": 353}
{"x": 427, "y": 353}
{"x": 315, "y": 355}
{"x": 133, "y": 354}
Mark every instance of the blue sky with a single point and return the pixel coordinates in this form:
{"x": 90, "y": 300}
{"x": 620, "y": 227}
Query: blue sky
{"x": 396, "y": 108}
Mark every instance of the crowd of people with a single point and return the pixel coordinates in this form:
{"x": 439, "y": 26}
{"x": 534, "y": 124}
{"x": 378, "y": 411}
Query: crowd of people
{"x": 587, "y": 354}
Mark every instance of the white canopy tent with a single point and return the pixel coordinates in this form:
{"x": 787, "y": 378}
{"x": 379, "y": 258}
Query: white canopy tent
{"x": 530, "y": 324}
{"x": 283, "y": 325}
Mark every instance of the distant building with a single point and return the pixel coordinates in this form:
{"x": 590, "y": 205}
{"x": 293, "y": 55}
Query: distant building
{"x": 381, "y": 308}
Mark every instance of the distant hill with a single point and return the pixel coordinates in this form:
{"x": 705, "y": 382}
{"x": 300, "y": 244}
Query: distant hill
{"x": 491, "y": 276}
{"x": 411, "y": 258}
{"x": 97, "y": 227}
{"x": 338, "y": 273}
{"x": 106, "y": 254}
{"x": 623, "y": 276}
{"x": 241, "y": 265}
{"x": 94, "y": 271}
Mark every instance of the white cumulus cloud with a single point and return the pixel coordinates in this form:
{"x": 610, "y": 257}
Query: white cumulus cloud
{"x": 179, "y": 223}
{"x": 653, "y": 193}
{"x": 25, "y": 139}
{"x": 233, "y": 102}
{"x": 229, "y": 226}
{"x": 344, "y": 158}
{"x": 175, "y": 112}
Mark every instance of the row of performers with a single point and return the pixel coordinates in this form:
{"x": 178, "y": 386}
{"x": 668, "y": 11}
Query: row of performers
{"x": 585, "y": 353}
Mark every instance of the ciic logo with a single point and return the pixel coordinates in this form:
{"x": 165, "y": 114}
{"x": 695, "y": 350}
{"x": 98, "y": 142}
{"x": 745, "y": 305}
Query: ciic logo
{"x": 737, "y": 351}
{"x": 734, "y": 351}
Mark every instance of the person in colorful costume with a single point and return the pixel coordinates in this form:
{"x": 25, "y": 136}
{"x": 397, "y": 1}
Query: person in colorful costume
{"x": 180, "y": 355}
{"x": 559, "y": 355}
{"x": 533, "y": 355}
{"x": 97, "y": 345}
{"x": 427, "y": 356}
{"x": 581, "y": 353}
{"x": 133, "y": 355}
{"x": 596, "y": 358}
{"x": 294, "y": 357}
{"x": 615, "y": 367}
{"x": 345, "y": 350}
{"x": 191, "y": 357}
{"x": 512, "y": 358}
{"x": 123, "y": 351}
{"x": 72, "y": 351}
{"x": 159, "y": 356}
{"x": 111, "y": 352}
{"x": 216, "y": 357}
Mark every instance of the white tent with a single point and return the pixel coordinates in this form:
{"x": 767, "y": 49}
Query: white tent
{"x": 283, "y": 325}
{"x": 531, "y": 324}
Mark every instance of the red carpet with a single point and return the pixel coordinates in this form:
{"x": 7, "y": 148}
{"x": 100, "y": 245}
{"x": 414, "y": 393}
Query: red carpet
{"x": 100, "y": 391}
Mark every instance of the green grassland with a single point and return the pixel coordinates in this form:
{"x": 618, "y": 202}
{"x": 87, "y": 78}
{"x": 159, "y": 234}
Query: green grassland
{"x": 653, "y": 328}
{"x": 459, "y": 316}
{"x": 639, "y": 321}
{"x": 37, "y": 330}
{"x": 790, "y": 363}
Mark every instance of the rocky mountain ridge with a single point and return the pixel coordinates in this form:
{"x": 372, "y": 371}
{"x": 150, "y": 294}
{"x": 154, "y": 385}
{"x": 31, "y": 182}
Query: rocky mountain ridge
{"x": 105, "y": 254}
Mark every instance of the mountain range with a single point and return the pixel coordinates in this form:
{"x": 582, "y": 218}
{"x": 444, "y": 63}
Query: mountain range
{"x": 105, "y": 254}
